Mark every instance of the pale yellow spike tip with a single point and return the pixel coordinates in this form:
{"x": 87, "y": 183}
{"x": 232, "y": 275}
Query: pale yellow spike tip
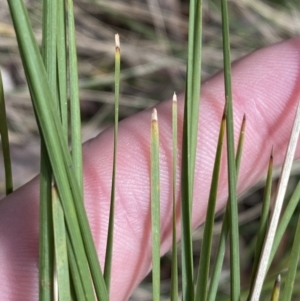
{"x": 154, "y": 115}
{"x": 117, "y": 41}
{"x": 174, "y": 97}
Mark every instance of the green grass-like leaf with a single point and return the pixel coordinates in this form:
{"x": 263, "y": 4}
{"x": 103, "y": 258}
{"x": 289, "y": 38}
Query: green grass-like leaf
{"x": 155, "y": 206}
{"x": 58, "y": 152}
{"x": 264, "y": 219}
{"x": 5, "y": 142}
{"x": 109, "y": 248}
{"x": 292, "y": 266}
{"x": 204, "y": 265}
{"x": 213, "y": 286}
{"x": 49, "y": 49}
{"x": 233, "y": 213}
{"x": 190, "y": 135}
{"x": 46, "y": 242}
{"x": 174, "y": 273}
{"x": 74, "y": 100}
{"x": 62, "y": 266}
{"x": 76, "y": 282}
{"x": 62, "y": 65}
{"x": 48, "y": 87}
{"x": 46, "y": 235}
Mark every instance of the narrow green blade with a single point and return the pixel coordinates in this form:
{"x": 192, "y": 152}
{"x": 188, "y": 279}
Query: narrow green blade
{"x": 204, "y": 264}
{"x": 292, "y": 266}
{"x": 233, "y": 213}
{"x": 74, "y": 100}
{"x": 94, "y": 265}
{"x": 213, "y": 287}
{"x": 174, "y": 273}
{"x": 46, "y": 241}
{"x": 76, "y": 282}
{"x": 5, "y": 142}
{"x": 155, "y": 206}
{"x": 62, "y": 66}
{"x": 263, "y": 220}
{"x": 186, "y": 240}
{"x": 61, "y": 257}
{"x": 190, "y": 135}
{"x": 109, "y": 248}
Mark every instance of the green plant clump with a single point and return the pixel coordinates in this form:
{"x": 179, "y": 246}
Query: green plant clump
{"x": 66, "y": 247}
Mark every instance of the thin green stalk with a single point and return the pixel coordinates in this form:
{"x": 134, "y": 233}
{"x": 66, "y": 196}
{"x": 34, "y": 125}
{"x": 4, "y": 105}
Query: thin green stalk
{"x": 174, "y": 273}
{"x": 234, "y": 229}
{"x": 190, "y": 135}
{"x": 194, "y": 82}
{"x": 186, "y": 240}
{"x": 216, "y": 272}
{"x": 62, "y": 266}
{"x": 5, "y": 142}
{"x": 76, "y": 283}
{"x": 46, "y": 241}
{"x": 58, "y": 152}
{"x": 155, "y": 206}
{"x": 109, "y": 248}
{"x": 263, "y": 220}
{"x": 74, "y": 100}
{"x": 49, "y": 42}
{"x": 62, "y": 65}
{"x": 204, "y": 264}
{"x": 213, "y": 287}
{"x": 292, "y": 266}
{"x": 239, "y": 150}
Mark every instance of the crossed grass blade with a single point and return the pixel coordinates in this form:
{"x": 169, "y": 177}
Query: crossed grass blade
{"x": 62, "y": 66}
{"x": 265, "y": 213}
{"x": 74, "y": 99}
{"x": 232, "y": 178}
{"x": 58, "y": 152}
{"x": 216, "y": 272}
{"x": 46, "y": 242}
{"x": 77, "y": 285}
{"x": 203, "y": 270}
{"x": 61, "y": 262}
{"x": 46, "y": 235}
{"x": 189, "y": 145}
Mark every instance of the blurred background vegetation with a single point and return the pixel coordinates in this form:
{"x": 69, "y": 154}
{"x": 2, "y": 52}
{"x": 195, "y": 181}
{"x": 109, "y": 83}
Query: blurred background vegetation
{"x": 154, "y": 49}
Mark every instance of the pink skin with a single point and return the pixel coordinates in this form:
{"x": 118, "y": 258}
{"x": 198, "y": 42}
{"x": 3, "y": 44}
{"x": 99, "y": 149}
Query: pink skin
{"x": 266, "y": 86}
